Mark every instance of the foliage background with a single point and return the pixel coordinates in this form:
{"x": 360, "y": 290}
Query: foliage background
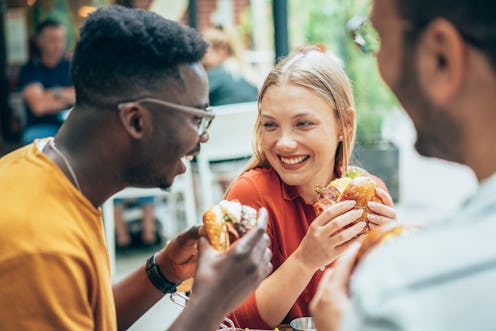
{"x": 324, "y": 22}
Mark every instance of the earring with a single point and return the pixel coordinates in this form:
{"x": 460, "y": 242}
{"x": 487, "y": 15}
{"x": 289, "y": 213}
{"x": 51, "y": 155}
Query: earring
{"x": 340, "y": 137}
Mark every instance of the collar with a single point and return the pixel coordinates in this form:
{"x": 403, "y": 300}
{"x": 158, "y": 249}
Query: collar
{"x": 288, "y": 192}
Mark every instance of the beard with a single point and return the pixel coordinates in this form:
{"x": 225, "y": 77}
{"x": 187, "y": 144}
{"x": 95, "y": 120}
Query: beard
{"x": 140, "y": 176}
{"x": 439, "y": 134}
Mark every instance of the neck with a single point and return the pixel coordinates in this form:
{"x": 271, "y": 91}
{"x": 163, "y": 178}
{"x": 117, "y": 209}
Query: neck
{"x": 92, "y": 160}
{"x": 478, "y": 152}
{"x": 478, "y": 115}
{"x": 67, "y": 165}
{"x": 50, "y": 61}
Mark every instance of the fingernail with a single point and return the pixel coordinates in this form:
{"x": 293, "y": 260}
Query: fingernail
{"x": 373, "y": 204}
{"x": 349, "y": 203}
{"x": 371, "y": 217}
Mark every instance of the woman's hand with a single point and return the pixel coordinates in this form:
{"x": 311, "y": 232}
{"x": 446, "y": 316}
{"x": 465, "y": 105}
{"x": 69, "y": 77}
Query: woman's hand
{"x": 326, "y": 237}
{"x": 381, "y": 213}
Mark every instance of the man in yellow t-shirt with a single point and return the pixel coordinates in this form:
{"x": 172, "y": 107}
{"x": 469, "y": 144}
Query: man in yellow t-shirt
{"x": 141, "y": 106}
{"x": 52, "y": 249}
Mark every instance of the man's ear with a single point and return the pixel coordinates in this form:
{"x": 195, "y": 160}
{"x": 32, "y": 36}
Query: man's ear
{"x": 135, "y": 120}
{"x": 441, "y": 61}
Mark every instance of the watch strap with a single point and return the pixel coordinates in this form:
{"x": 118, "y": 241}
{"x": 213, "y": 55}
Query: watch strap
{"x": 157, "y": 278}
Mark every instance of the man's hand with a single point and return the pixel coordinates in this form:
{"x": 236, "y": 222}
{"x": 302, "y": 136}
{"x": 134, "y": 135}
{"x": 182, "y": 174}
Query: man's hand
{"x": 331, "y": 299}
{"x": 224, "y": 280}
{"x": 178, "y": 259}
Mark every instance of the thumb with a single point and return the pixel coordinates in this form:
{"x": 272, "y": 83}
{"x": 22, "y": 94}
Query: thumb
{"x": 204, "y": 248}
{"x": 344, "y": 265}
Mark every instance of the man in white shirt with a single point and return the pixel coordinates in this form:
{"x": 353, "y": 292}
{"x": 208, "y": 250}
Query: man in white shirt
{"x": 439, "y": 58}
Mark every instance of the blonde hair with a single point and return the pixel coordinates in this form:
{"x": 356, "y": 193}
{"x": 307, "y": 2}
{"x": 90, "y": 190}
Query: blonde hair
{"x": 323, "y": 75}
{"x": 223, "y": 38}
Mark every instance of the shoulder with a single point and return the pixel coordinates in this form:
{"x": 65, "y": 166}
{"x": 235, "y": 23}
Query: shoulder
{"x": 27, "y": 74}
{"x": 30, "y": 65}
{"x": 258, "y": 184}
{"x": 415, "y": 273}
{"x": 64, "y": 63}
{"x": 261, "y": 178}
{"x": 216, "y": 71}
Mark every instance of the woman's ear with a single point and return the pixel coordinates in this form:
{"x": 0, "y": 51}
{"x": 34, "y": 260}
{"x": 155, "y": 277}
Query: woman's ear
{"x": 349, "y": 126}
{"x": 134, "y": 119}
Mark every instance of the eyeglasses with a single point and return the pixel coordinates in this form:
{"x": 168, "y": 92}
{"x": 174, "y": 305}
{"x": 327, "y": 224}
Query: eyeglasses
{"x": 206, "y": 115}
{"x": 365, "y": 36}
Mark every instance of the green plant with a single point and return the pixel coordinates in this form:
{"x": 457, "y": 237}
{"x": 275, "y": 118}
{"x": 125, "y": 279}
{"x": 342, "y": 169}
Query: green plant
{"x": 324, "y": 22}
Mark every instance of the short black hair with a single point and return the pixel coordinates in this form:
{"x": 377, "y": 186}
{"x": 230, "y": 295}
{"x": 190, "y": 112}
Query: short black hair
{"x": 48, "y": 23}
{"x": 474, "y": 19}
{"x": 123, "y": 53}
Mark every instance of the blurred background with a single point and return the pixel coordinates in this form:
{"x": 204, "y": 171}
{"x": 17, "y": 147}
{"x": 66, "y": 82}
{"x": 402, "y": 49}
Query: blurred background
{"x": 264, "y": 30}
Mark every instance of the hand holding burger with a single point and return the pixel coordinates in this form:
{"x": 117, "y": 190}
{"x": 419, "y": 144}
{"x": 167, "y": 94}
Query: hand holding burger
{"x": 228, "y": 221}
{"x": 356, "y": 185}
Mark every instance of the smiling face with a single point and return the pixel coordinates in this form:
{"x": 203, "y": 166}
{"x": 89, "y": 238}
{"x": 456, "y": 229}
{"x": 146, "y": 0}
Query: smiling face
{"x": 299, "y": 136}
{"x": 175, "y": 133}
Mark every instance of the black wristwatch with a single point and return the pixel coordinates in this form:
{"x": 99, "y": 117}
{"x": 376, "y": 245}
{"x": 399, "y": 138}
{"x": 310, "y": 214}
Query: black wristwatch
{"x": 157, "y": 278}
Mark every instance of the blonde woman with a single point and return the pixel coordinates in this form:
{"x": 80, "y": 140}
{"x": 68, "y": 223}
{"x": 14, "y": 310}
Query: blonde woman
{"x": 304, "y": 138}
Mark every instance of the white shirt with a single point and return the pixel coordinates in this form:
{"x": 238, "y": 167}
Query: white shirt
{"x": 440, "y": 278}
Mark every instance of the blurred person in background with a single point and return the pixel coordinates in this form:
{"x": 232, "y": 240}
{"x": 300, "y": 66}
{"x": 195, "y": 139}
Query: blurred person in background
{"x": 46, "y": 84}
{"x": 148, "y": 235}
{"x": 439, "y": 59}
{"x": 230, "y": 79}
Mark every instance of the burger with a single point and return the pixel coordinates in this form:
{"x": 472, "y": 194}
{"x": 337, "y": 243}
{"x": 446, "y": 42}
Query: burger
{"x": 228, "y": 221}
{"x": 355, "y": 185}
{"x": 381, "y": 234}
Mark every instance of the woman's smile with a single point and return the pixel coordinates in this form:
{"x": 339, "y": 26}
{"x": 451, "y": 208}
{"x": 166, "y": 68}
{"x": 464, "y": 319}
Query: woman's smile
{"x": 292, "y": 162}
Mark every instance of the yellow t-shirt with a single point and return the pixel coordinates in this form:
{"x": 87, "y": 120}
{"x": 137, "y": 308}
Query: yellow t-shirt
{"x": 54, "y": 266}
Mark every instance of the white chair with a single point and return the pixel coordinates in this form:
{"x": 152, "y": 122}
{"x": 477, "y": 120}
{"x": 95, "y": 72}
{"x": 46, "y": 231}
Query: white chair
{"x": 183, "y": 185}
{"x": 230, "y": 138}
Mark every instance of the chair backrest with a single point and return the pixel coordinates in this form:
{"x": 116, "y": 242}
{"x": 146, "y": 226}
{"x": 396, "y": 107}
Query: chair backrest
{"x": 183, "y": 186}
{"x": 230, "y": 138}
